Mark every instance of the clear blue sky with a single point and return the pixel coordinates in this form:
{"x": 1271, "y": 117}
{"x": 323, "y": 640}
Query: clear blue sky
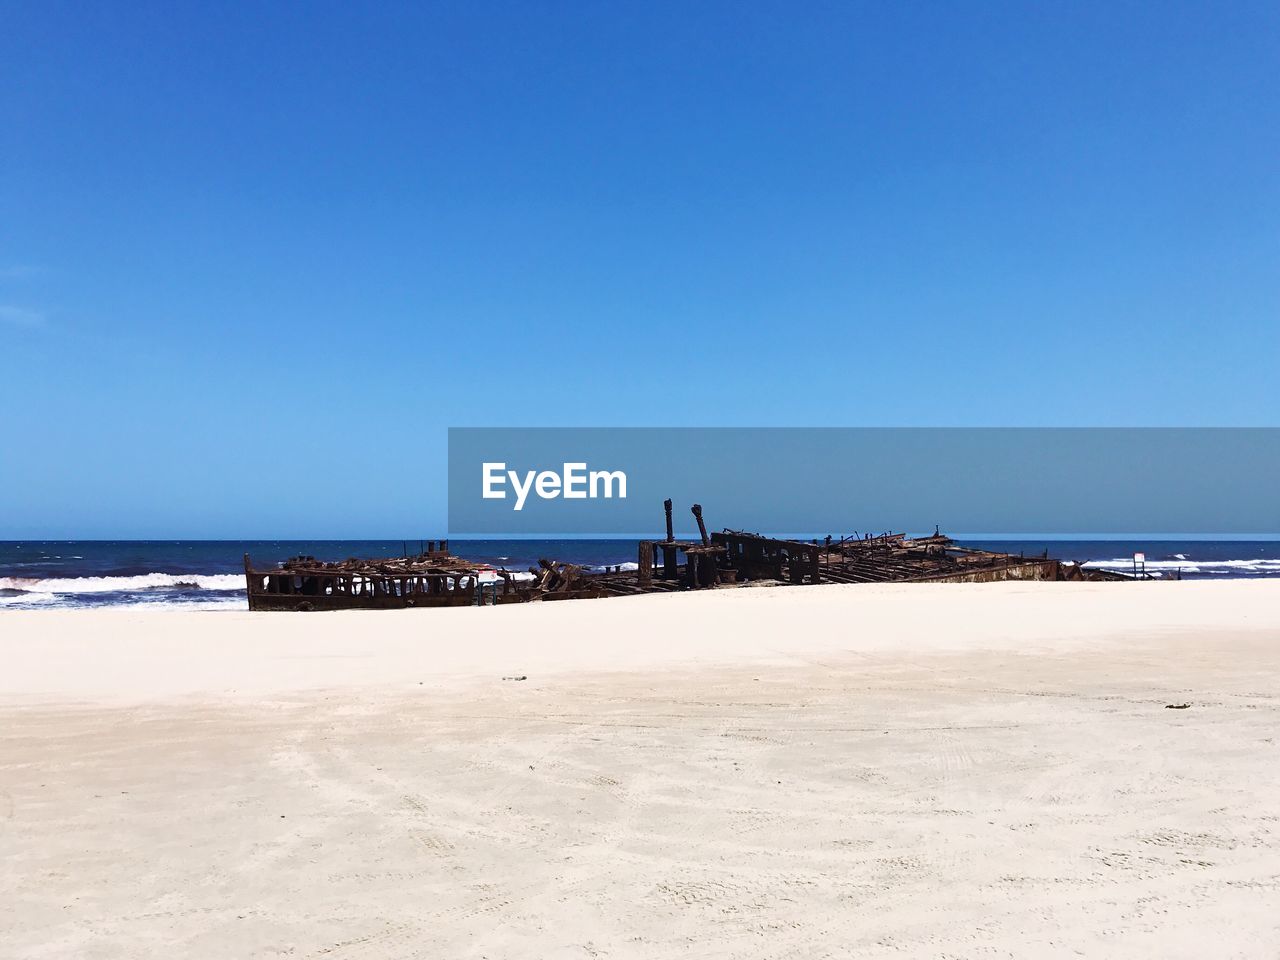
{"x": 255, "y": 258}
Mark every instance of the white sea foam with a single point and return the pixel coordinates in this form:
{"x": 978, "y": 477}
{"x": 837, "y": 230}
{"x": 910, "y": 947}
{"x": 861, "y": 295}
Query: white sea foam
{"x": 19, "y": 600}
{"x": 24, "y": 598}
{"x": 1222, "y": 567}
{"x": 491, "y": 575}
{"x": 146, "y": 581}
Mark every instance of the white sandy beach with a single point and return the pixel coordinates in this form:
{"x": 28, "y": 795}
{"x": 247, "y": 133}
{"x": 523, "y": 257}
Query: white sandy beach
{"x": 910, "y": 770}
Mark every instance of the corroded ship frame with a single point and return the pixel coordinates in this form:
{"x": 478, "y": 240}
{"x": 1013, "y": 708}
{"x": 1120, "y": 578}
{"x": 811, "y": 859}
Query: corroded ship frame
{"x": 433, "y": 578}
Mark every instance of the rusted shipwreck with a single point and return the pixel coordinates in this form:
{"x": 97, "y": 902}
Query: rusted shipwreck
{"x": 728, "y": 558}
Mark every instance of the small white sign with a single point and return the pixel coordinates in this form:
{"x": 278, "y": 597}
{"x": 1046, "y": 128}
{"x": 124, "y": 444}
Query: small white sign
{"x": 1139, "y": 558}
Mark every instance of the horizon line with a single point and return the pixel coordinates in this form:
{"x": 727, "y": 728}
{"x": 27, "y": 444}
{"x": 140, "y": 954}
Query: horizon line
{"x": 682, "y": 535}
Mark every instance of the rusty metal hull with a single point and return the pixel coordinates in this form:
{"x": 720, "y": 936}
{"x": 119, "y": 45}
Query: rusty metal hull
{"x": 1025, "y": 570}
{"x": 300, "y": 603}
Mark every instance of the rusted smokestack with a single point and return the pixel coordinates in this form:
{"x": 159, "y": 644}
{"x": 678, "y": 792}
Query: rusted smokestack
{"x": 702, "y": 527}
{"x": 666, "y": 505}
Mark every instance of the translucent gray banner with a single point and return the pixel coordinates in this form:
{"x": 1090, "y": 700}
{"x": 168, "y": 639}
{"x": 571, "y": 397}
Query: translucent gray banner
{"x": 813, "y": 481}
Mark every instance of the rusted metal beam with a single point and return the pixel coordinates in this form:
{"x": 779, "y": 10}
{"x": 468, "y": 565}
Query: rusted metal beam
{"x": 702, "y": 527}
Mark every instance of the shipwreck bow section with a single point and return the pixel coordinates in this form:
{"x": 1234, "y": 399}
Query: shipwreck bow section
{"x": 433, "y": 578}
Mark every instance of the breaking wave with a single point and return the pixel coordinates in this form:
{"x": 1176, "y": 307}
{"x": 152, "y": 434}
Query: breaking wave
{"x": 12, "y": 597}
{"x": 146, "y": 581}
{"x": 492, "y": 576}
{"x": 1221, "y": 568}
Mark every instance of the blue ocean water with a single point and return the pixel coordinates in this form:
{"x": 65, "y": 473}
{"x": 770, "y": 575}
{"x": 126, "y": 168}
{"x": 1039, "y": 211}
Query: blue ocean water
{"x": 210, "y": 573}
